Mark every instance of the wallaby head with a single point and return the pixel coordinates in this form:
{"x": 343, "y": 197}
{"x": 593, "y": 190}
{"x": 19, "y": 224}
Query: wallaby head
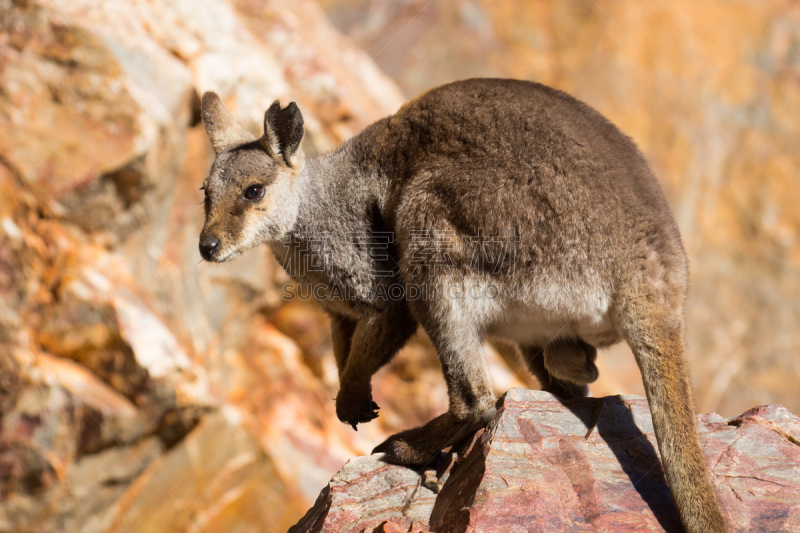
{"x": 250, "y": 196}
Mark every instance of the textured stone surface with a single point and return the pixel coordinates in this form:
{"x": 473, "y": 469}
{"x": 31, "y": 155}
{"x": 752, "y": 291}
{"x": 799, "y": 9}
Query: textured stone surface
{"x": 366, "y": 493}
{"x": 140, "y": 390}
{"x": 587, "y": 465}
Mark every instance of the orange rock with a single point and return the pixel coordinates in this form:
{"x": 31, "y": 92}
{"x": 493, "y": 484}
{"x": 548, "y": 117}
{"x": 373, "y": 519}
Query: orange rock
{"x": 101, "y": 156}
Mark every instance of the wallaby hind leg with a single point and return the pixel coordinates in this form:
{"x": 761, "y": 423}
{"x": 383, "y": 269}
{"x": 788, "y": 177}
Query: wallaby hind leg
{"x": 655, "y": 335}
{"x": 535, "y": 358}
{"x": 472, "y": 403}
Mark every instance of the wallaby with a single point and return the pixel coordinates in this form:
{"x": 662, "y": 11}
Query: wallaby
{"x": 508, "y": 209}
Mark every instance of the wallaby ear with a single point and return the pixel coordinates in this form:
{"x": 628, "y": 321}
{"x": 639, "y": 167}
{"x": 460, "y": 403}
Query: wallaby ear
{"x": 283, "y": 131}
{"x": 223, "y": 131}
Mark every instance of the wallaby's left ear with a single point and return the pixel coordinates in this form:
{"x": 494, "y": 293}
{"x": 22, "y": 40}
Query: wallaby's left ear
{"x": 283, "y": 131}
{"x": 222, "y": 130}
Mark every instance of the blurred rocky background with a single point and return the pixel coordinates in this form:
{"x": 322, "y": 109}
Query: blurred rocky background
{"x": 144, "y": 390}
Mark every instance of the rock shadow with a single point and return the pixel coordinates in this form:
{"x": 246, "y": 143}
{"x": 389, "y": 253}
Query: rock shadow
{"x": 614, "y": 423}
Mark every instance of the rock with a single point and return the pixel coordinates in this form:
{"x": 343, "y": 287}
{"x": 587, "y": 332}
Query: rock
{"x": 69, "y": 448}
{"x": 119, "y": 352}
{"x": 217, "y": 479}
{"x": 364, "y": 494}
{"x": 108, "y": 417}
{"x": 586, "y": 465}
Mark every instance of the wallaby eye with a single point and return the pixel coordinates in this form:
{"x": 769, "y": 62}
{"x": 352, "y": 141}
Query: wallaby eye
{"x": 254, "y": 192}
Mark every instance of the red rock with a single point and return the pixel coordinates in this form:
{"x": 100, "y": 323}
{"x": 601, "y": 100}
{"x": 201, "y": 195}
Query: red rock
{"x": 365, "y": 494}
{"x": 393, "y": 527}
{"x": 587, "y": 465}
{"x": 389, "y": 527}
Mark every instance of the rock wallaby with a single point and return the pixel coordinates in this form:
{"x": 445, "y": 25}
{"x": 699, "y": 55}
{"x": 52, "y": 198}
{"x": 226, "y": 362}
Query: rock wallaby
{"x": 483, "y": 207}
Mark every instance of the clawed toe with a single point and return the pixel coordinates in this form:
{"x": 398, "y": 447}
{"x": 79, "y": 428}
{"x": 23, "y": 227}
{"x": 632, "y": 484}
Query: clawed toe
{"x": 363, "y": 418}
{"x": 353, "y": 410}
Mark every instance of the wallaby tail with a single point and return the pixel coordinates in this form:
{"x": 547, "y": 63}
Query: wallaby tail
{"x": 656, "y": 338}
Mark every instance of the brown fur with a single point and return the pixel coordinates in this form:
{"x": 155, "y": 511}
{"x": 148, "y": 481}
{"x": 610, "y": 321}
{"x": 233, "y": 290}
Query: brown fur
{"x": 483, "y": 185}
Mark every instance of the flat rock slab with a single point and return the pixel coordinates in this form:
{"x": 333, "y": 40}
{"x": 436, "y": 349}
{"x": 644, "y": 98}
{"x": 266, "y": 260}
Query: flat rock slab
{"x": 586, "y": 465}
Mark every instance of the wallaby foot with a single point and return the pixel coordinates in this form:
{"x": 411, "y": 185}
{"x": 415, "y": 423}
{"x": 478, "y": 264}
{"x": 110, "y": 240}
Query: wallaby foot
{"x": 419, "y": 446}
{"x": 571, "y": 360}
{"x": 354, "y": 405}
{"x": 564, "y": 389}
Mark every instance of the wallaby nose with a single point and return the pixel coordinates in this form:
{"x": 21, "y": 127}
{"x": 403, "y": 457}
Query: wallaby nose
{"x": 209, "y": 246}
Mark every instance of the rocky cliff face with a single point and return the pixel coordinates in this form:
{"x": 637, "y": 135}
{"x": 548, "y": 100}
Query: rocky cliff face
{"x": 140, "y": 390}
{"x": 586, "y": 465}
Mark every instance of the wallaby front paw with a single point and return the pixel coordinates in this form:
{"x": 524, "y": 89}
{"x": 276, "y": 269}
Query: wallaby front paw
{"x": 355, "y": 406}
